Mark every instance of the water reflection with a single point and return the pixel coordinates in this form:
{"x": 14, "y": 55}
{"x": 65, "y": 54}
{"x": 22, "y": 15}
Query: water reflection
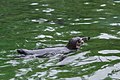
{"x": 103, "y": 5}
{"x": 115, "y": 17}
{"x": 87, "y": 3}
{"x": 74, "y": 78}
{"x": 48, "y": 10}
{"x": 106, "y": 36}
{"x": 108, "y": 51}
{"x": 13, "y": 62}
{"x": 22, "y": 72}
{"x": 80, "y": 23}
{"x": 37, "y": 9}
{"x": 118, "y": 32}
{"x": 75, "y": 32}
{"x": 87, "y": 19}
{"x": 99, "y": 10}
{"x": 57, "y": 33}
{"x": 45, "y": 4}
{"x": 41, "y": 20}
{"x": 52, "y": 73}
{"x": 115, "y": 24}
{"x": 116, "y": 1}
{"x": 105, "y": 72}
{"x": 39, "y": 75}
{"x": 102, "y": 18}
{"x": 43, "y": 36}
{"x": 58, "y": 20}
{"x": 34, "y": 4}
{"x": 70, "y": 59}
{"x": 51, "y": 29}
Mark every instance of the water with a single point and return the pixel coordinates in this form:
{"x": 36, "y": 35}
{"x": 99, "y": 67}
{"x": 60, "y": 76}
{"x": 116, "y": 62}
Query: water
{"x": 49, "y": 23}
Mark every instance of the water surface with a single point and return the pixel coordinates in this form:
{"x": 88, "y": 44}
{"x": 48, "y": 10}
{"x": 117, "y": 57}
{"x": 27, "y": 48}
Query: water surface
{"x": 49, "y": 23}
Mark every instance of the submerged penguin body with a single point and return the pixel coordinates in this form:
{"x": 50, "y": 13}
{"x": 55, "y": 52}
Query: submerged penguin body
{"x": 72, "y": 45}
{"x": 47, "y": 52}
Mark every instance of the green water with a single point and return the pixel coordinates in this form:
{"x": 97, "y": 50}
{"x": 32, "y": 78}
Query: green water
{"x": 47, "y": 23}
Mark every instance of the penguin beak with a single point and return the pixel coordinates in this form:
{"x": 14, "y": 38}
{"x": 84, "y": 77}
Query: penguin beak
{"x": 86, "y": 38}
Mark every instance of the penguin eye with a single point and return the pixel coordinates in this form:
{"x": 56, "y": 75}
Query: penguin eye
{"x": 79, "y": 41}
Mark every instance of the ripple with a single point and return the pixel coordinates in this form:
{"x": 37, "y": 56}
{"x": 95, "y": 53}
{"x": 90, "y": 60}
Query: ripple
{"x": 99, "y": 10}
{"x": 103, "y": 5}
{"x": 102, "y": 18}
{"x": 87, "y": 19}
{"x": 37, "y": 9}
{"x": 3, "y": 52}
{"x": 62, "y": 26}
{"x": 108, "y": 51}
{"x": 108, "y": 13}
{"x": 105, "y": 72}
{"x": 51, "y": 29}
{"x": 43, "y": 36}
{"x": 115, "y": 17}
{"x": 95, "y": 22}
{"x": 45, "y": 4}
{"x": 80, "y": 23}
{"x": 118, "y": 32}
{"x": 61, "y": 40}
{"x": 39, "y": 74}
{"x": 41, "y": 20}
{"x": 52, "y": 73}
{"x": 112, "y": 30}
{"x": 117, "y": 1}
{"x": 23, "y": 71}
{"x": 2, "y": 58}
{"x": 4, "y": 66}
{"x": 115, "y": 24}
{"x": 48, "y": 10}
{"x": 87, "y": 61}
{"x": 73, "y": 78}
{"x": 57, "y": 33}
{"x": 12, "y": 79}
{"x": 106, "y": 36}
{"x": 34, "y": 4}
{"x": 52, "y": 22}
{"x": 108, "y": 58}
{"x": 94, "y": 59}
{"x": 2, "y": 74}
{"x": 13, "y": 62}
{"x": 77, "y": 19}
{"x": 86, "y": 3}
{"x": 75, "y": 32}
{"x": 72, "y": 58}
{"x": 116, "y": 75}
